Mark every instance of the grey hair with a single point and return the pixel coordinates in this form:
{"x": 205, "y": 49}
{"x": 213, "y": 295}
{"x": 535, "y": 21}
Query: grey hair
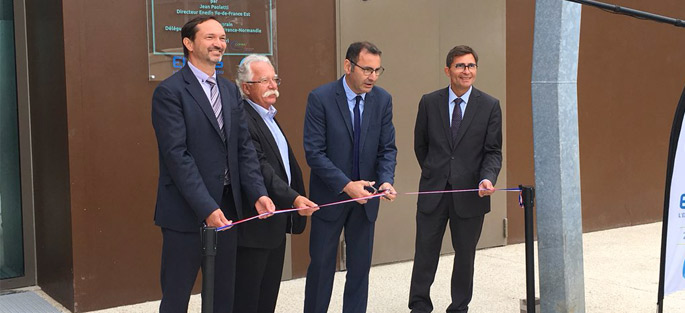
{"x": 245, "y": 70}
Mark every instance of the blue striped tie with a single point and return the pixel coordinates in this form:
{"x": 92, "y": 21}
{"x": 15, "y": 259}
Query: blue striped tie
{"x": 215, "y": 101}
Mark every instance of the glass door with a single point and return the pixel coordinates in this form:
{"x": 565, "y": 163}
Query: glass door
{"x": 11, "y": 224}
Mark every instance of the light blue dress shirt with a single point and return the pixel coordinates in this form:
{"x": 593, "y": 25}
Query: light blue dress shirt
{"x": 351, "y": 95}
{"x": 464, "y": 102}
{"x": 207, "y": 88}
{"x": 268, "y": 118}
{"x": 202, "y": 78}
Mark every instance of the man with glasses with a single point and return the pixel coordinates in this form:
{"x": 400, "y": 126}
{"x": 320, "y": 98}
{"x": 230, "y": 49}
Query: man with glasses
{"x": 261, "y": 244}
{"x": 349, "y": 141}
{"x": 458, "y": 142}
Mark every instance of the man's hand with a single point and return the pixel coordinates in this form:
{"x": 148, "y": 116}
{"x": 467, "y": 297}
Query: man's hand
{"x": 485, "y": 188}
{"x": 265, "y": 205}
{"x": 302, "y": 202}
{"x": 217, "y": 219}
{"x": 389, "y": 192}
{"x": 355, "y": 189}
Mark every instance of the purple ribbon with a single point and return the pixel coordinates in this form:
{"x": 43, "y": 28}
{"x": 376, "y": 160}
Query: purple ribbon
{"x": 377, "y": 194}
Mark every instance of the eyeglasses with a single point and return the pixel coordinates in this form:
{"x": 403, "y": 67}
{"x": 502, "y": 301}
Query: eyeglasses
{"x": 266, "y": 81}
{"x": 368, "y": 70}
{"x": 462, "y": 66}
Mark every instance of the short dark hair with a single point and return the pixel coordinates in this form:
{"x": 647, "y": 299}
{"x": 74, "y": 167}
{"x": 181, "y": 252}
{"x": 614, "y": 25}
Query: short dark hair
{"x": 190, "y": 29}
{"x": 459, "y": 51}
{"x": 356, "y": 48}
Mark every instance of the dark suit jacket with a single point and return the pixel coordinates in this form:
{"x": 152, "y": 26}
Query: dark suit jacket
{"x": 475, "y": 155}
{"x": 328, "y": 143}
{"x": 269, "y": 233}
{"x": 192, "y": 155}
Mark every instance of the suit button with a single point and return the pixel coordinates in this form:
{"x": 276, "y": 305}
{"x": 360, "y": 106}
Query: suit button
{"x": 451, "y": 158}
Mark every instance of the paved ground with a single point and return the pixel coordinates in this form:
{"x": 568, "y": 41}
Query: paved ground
{"x": 621, "y": 275}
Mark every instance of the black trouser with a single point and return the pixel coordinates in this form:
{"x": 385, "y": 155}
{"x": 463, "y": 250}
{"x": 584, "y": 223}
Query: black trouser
{"x": 430, "y": 229}
{"x": 181, "y": 260}
{"x": 323, "y": 248}
{"x": 258, "y": 279}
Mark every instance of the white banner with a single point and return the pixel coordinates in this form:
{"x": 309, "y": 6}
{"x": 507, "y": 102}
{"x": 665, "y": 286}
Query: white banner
{"x": 674, "y": 274}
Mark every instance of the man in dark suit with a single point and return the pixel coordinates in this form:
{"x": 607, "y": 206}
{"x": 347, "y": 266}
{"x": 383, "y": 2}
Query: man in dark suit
{"x": 261, "y": 245}
{"x": 206, "y": 163}
{"x": 458, "y": 142}
{"x": 349, "y": 140}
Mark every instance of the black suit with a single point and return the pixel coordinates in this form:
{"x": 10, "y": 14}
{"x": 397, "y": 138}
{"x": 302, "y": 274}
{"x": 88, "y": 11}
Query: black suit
{"x": 193, "y": 159}
{"x": 261, "y": 244}
{"x": 475, "y": 154}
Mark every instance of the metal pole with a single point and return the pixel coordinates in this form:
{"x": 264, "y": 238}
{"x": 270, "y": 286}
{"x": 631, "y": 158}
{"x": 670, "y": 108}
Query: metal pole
{"x": 208, "y": 254}
{"x": 528, "y": 198}
{"x": 557, "y": 166}
{"x": 632, "y": 12}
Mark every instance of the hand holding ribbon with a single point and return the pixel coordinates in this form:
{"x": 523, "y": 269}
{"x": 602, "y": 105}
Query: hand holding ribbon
{"x": 217, "y": 219}
{"x": 265, "y": 207}
{"x": 389, "y": 192}
{"x": 357, "y": 190}
{"x": 485, "y": 188}
{"x": 307, "y": 207}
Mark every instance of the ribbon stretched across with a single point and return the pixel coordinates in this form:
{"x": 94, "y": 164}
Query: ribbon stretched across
{"x": 380, "y": 193}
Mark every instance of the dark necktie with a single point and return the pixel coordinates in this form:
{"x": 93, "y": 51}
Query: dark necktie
{"x": 357, "y": 136}
{"x": 456, "y": 118}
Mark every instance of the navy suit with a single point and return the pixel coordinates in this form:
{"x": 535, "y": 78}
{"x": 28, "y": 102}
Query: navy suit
{"x": 192, "y": 160}
{"x": 460, "y": 163}
{"x": 328, "y": 143}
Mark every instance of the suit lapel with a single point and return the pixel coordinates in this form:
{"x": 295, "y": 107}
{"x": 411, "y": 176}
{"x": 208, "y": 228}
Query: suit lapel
{"x": 444, "y": 109}
{"x": 471, "y": 109}
{"x": 295, "y": 172}
{"x": 196, "y": 91}
{"x": 341, "y": 100}
{"x": 370, "y": 111}
{"x": 264, "y": 131}
{"x": 227, "y": 105}
{"x": 291, "y": 157}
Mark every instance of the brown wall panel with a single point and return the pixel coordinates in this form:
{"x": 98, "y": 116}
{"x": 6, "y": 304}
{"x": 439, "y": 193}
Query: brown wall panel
{"x": 112, "y": 148}
{"x": 50, "y": 154}
{"x": 113, "y": 156}
{"x": 629, "y": 82}
{"x": 306, "y": 59}
{"x": 519, "y": 150}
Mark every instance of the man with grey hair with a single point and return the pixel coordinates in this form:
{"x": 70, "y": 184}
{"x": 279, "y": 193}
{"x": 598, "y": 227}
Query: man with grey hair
{"x": 261, "y": 244}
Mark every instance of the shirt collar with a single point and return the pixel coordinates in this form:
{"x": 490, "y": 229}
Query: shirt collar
{"x": 349, "y": 93}
{"x": 270, "y": 113}
{"x": 200, "y": 75}
{"x": 465, "y": 97}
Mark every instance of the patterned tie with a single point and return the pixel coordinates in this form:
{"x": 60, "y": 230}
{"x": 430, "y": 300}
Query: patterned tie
{"x": 215, "y": 101}
{"x": 456, "y": 118}
{"x": 357, "y": 136}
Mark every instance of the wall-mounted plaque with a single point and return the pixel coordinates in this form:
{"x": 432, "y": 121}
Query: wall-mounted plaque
{"x": 250, "y": 27}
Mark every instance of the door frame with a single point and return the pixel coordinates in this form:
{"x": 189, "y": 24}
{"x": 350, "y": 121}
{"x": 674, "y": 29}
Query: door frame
{"x": 25, "y": 151}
